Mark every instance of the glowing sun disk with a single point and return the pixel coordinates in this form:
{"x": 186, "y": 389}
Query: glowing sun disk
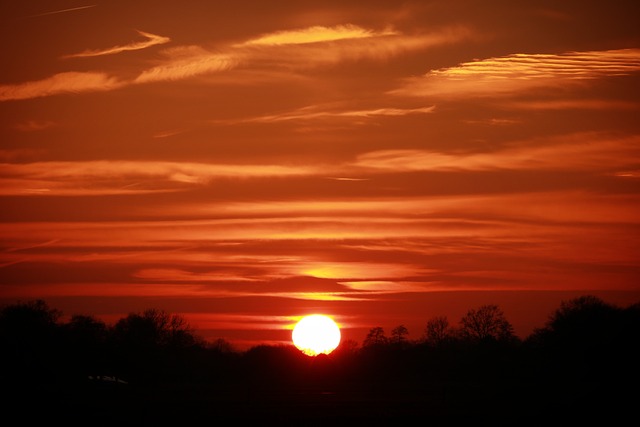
{"x": 316, "y": 334}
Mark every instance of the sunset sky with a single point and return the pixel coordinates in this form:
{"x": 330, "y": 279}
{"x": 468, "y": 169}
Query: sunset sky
{"x": 383, "y": 162}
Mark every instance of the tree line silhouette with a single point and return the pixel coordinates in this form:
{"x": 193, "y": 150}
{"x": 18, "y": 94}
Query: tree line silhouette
{"x": 585, "y": 353}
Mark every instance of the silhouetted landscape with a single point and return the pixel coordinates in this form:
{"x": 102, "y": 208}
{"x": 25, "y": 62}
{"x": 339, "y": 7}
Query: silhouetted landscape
{"x": 150, "y": 367}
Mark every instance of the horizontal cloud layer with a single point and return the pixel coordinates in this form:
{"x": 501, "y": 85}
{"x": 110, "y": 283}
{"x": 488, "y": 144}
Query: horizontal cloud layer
{"x": 300, "y": 49}
{"x": 520, "y": 72}
{"x": 575, "y": 152}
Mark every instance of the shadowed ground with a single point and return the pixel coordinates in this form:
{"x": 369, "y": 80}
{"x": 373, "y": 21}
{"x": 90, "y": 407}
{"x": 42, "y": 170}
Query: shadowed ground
{"x": 431, "y": 404}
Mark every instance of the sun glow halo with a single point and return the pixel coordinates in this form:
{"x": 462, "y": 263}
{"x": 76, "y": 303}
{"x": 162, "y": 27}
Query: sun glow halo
{"x": 316, "y": 334}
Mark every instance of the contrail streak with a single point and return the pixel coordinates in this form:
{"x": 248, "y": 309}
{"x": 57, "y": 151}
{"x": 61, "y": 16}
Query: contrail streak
{"x": 63, "y": 10}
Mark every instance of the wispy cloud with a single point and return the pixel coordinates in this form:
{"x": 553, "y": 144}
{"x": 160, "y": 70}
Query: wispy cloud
{"x": 444, "y": 215}
{"x": 185, "y": 62}
{"x": 570, "y": 152}
{"x": 295, "y": 49}
{"x": 152, "y": 40}
{"x": 360, "y": 270}
{"x": 271, "y": 54}
{"x": 573, "y": 104}
{"x": 576, "y": 152}
{"x": 315, "y": 112}
{"x": 519, "y": 72}
{"x": 313, "y": 47}
{"x": 121, "y": 177}
{"x": 69, "y": 82}
{"x": 184, "y": 276}
{"x": 314, "y": 35}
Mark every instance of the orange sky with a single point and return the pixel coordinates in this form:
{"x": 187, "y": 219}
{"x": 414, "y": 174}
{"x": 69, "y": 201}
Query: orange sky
{"x": 245, "y": 163}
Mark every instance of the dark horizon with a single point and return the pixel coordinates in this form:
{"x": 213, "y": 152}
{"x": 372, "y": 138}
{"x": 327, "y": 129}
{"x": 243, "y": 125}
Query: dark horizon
{"x": 526, "y": 310}
{"x": 149, "y": 367}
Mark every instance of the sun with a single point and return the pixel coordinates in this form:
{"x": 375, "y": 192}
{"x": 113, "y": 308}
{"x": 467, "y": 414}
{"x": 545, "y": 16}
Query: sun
{"x": 316, "y": 334}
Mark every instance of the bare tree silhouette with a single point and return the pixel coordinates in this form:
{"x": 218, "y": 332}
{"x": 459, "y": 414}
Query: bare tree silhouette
{"x": 221, "y": 345}
{"x": 438, "y": 331}
{"x": 486, "y": 323}
{"x": 147, "y": 343}
{"x": 375, "y": 337}
{"x": 399, "y": 335}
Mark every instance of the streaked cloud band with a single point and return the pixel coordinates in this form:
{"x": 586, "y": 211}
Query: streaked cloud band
{"x": 519, "y": 72}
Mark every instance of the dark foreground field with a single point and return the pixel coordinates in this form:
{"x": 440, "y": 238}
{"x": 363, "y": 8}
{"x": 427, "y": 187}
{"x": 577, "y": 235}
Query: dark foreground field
{"x": 436, "y": 404}
{"x": 580, "y": 369}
